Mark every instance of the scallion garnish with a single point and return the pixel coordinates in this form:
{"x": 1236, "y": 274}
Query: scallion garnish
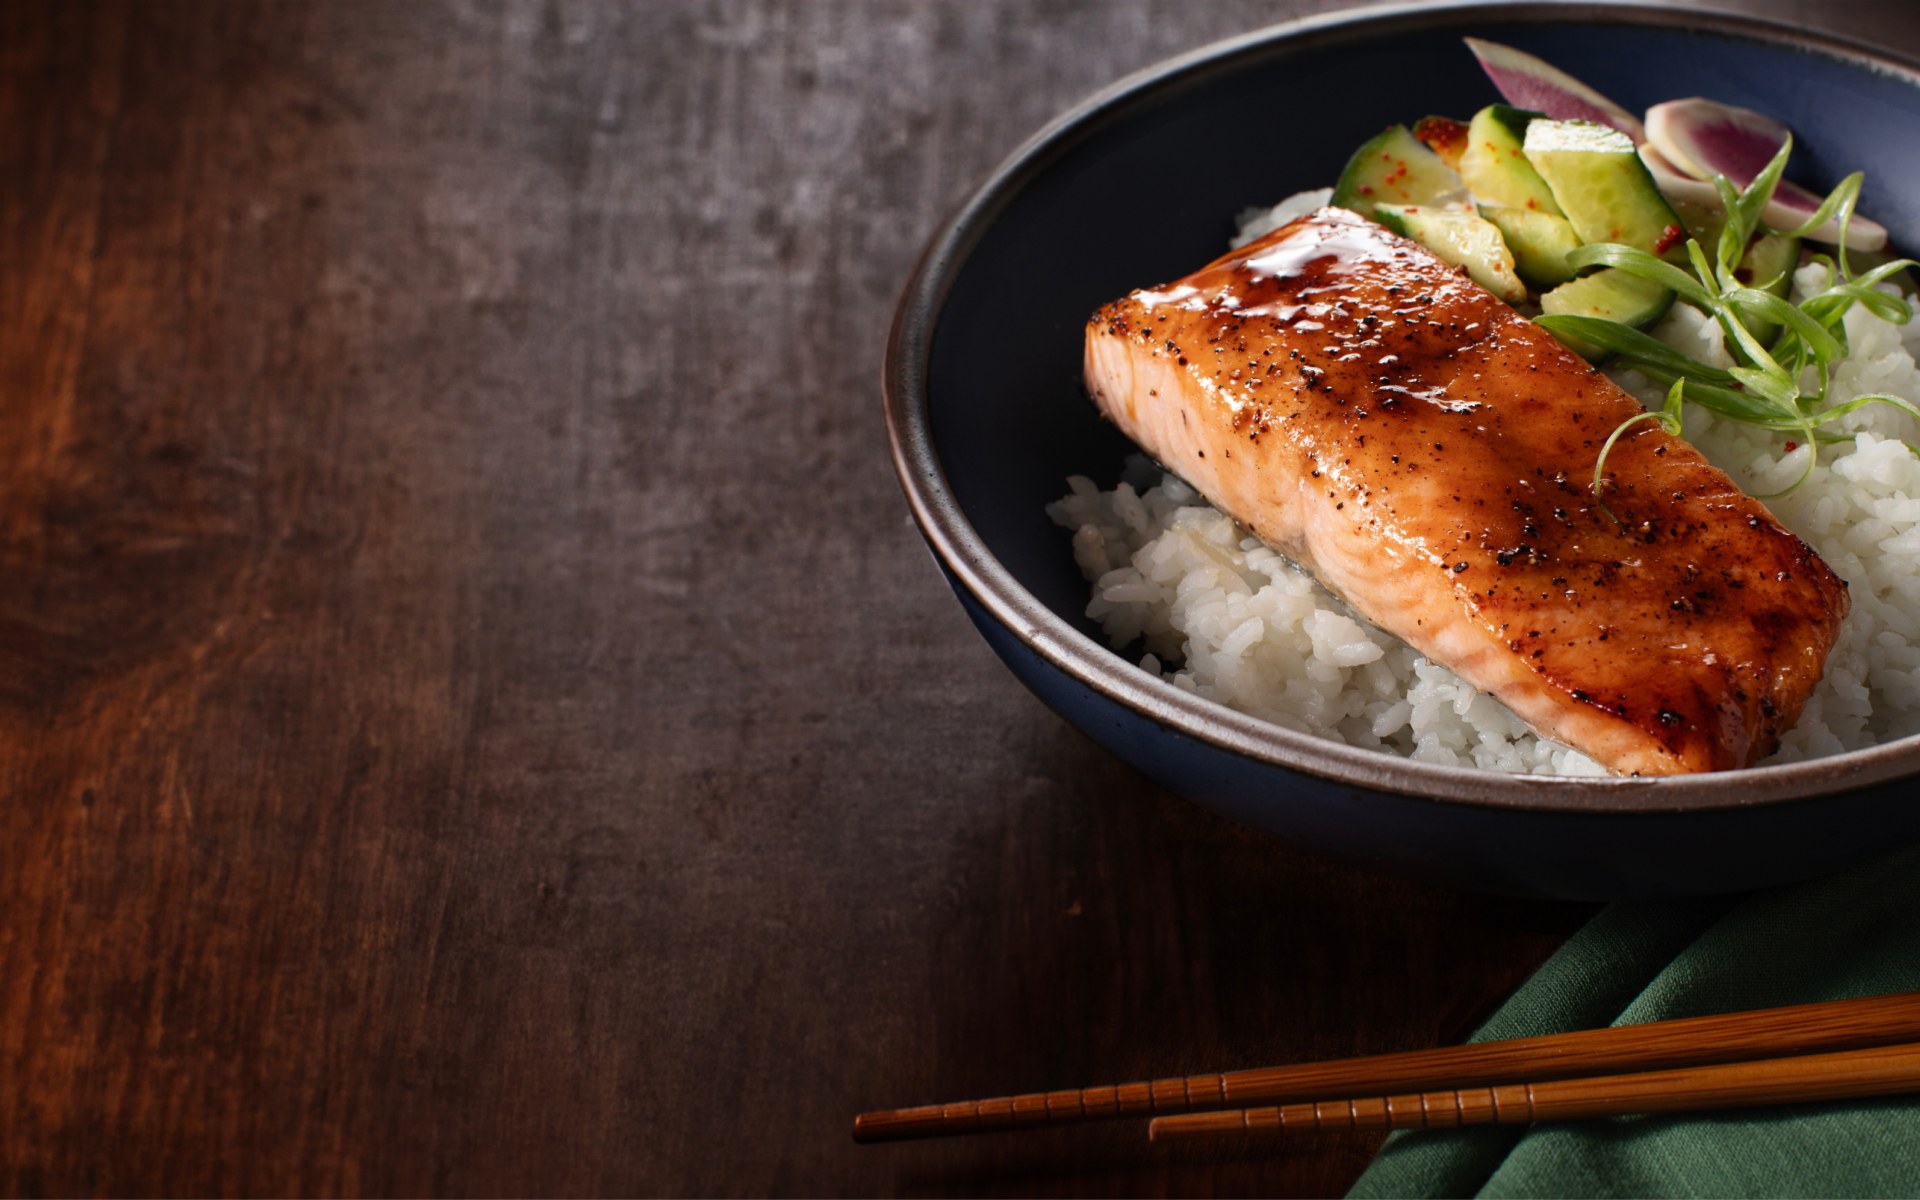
{"x": 1764, "y": 386}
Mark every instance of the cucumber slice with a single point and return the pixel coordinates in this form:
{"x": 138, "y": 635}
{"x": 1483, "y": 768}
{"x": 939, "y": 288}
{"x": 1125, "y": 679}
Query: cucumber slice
{"x": 1609, "y": 293}
{"x": 1494, "y": 167}
{"x": 1462, "y": 239}
{"x": 1540, "y": 243}
{"x": 1603, "y": 187}
{"x": 1769, "y": 265}
{"x": 1702, "y": 221}
{"x": 1393, "y": 168}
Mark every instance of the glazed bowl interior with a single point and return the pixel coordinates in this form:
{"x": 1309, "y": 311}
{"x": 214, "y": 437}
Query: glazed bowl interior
{"x": 1142, "y": 185}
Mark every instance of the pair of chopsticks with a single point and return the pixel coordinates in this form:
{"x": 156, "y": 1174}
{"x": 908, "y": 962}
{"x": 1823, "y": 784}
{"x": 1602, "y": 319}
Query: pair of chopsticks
{"x": 1837, "y": 1050}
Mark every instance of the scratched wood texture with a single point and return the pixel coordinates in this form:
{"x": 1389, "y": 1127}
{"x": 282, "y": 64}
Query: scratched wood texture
{"x": 475, "y": 717}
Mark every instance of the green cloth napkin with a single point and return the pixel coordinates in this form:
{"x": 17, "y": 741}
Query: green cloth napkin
{"x": 1856, "y": 933}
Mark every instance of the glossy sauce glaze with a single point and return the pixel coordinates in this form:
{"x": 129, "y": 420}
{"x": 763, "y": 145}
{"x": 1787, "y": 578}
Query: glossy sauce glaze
{"x": 1428, "y": 453}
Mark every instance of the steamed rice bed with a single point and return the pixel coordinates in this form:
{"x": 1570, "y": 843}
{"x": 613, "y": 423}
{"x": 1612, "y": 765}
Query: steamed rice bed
{"x": 1222, "y": 615}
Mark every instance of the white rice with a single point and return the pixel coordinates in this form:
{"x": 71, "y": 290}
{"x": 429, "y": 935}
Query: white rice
{"x": 1220, "y": 614}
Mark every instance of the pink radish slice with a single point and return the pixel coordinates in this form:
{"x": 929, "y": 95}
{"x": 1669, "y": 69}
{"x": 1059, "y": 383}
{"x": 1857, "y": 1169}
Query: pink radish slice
{"x": 1787, "y": 195}
{"x": 1528, "y": 82}
{"x": 1786, "y": 211}
{"x": 1704, "y": 138}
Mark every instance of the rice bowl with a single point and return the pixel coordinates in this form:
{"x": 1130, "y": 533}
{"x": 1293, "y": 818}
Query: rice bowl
{"x": 985, "y": 425}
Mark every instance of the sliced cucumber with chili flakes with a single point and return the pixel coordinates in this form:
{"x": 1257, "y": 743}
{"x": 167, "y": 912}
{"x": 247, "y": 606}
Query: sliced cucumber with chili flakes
{"x": 1549, "y": 186}
{"x": 1494, "y": 166}
{"x": 1396, "y": 180}
{"x": 1608, "y": 196}
{"x": 1461, "y": 238}
{"x": 1540, "y": 243}
{"x": 1600, "y": 183}
{"x": 1610, "y": 293}
{"x": 1394, "y": 167}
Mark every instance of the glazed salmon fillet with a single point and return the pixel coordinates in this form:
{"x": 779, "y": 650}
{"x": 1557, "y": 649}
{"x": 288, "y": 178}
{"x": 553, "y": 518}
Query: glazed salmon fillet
{"x": 1428, "y": 454}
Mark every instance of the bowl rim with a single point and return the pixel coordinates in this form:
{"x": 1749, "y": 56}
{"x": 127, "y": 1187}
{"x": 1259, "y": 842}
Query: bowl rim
{"x": 971, "y": 565}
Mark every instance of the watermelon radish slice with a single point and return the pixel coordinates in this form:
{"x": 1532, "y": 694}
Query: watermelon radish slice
{"x": 1789, "y": 209}
{"x": 1704, "y": 138}
{"x": 1530, "y": 83}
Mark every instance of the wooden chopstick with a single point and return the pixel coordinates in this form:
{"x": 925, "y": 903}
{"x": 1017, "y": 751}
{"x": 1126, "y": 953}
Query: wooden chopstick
{"x": 1848, "y": 1075}
{"x": 1697, "y": 1041}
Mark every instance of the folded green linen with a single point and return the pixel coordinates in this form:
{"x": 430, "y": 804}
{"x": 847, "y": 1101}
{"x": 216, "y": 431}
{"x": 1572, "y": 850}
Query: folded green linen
{"x": 1856, "y": 933}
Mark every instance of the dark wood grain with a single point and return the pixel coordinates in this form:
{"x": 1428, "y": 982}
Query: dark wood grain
{"x": 475, "y": 716}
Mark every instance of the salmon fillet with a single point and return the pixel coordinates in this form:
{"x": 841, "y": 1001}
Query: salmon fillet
{"x": 1428, "y": 453}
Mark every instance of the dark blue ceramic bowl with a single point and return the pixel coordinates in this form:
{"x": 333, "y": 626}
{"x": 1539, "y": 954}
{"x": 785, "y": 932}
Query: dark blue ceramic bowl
{"x": 1140, "y": 185}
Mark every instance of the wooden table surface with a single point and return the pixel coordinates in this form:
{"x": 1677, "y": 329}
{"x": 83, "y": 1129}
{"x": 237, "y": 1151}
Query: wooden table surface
{"x": 475, "y": 714}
